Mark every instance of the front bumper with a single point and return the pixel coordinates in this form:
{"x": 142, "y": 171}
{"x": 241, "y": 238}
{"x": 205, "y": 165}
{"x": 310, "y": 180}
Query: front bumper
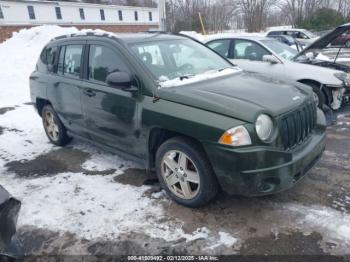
{"x": 255, "y": 171}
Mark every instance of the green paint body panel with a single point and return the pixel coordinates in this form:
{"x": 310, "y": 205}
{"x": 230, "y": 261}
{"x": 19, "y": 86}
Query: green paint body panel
{"x": 122, "y": 121}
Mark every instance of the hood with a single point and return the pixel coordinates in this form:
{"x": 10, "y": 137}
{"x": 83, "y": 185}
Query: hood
{"x": 323, "y": 41}
{"x": 242, "y": 95}
{"x": 310, "y": 71}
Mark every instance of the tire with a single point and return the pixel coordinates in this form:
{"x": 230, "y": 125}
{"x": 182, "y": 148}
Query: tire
{"x": 190, "y": 182}
{"x": 54, "y": 129}
{"x": 319, "y": 95}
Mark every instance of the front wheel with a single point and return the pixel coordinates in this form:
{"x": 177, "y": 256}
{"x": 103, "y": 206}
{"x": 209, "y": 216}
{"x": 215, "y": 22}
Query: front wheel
{"x": 185, "y": 172}
{"x": 54, "y": 129}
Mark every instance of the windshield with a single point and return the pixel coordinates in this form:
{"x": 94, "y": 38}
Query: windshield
{"x": 281, "y": 49}
{"x": 170, "y": 59}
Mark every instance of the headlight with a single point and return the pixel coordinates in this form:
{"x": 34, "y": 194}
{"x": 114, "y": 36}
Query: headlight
{"x": 264, "y": 127}
{"x": 237, "y": 136}
{"x": 343, "y": 77}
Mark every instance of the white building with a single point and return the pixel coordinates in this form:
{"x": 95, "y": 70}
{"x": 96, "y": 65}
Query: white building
{"x": 49, "y": 12}
{"x": 20, "y": 14}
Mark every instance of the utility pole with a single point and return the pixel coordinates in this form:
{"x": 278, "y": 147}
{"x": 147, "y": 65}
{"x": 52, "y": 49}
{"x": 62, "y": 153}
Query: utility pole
{"x": 162, "y": 15}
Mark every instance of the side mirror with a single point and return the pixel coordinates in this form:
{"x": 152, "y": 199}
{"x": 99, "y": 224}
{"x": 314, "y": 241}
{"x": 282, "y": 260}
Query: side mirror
{"x": 120, "y": 80}
{"x": 347, "y": 44}
{"x": 270, "y": 59}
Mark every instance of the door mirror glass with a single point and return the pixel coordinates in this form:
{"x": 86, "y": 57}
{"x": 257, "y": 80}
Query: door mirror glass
{"x": 119, "y": 80}
{"x": 270, "y": 59}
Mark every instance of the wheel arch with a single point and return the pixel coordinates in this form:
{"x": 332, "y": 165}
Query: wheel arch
{"x": 40, "y": 103}
{"x": 158, "y": 135}
{"x": 324, "y": 89}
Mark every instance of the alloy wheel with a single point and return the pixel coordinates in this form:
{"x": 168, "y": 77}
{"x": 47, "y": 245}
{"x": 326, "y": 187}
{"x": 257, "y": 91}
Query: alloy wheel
{"x": 51, "y": 126}
{"x": 180, "y": 174}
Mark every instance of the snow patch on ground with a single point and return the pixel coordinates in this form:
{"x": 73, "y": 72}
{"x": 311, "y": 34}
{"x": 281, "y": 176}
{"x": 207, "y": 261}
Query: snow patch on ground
{"x": 100, "y": 160}
{"x": 89, "y": 206}
{"x": 23, "y": 136}
{"x": 334, "y": 224}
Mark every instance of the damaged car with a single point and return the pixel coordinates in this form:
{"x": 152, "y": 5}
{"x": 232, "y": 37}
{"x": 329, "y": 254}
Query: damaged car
{"x": 272, "y": 58}
{"x": 10, "y": 246}
{"x": 178, "y": 108}
{"x": 331, "y": 51}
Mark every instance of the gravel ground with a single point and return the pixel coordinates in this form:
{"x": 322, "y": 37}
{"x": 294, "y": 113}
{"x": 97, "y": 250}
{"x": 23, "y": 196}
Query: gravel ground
{"x": 271, "y": 225}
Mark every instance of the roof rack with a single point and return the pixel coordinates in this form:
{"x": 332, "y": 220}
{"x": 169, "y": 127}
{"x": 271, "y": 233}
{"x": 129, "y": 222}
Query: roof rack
{"x": 88, "y": 33}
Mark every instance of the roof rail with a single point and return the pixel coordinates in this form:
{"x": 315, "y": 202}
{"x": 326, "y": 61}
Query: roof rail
{"x": 88, "y": 33}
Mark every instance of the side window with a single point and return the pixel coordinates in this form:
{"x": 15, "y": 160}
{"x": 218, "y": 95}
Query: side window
{"x": 81, "y": 13}
{"x": 245, "y": 49}
{"x": 292, "y": 34}
{"x": 48, "y": 56}
{"x": 103, "y": 61}
{"x": 69, "y": 60}
{"x": 51, "y": 55}
{"x": 58, "y": 13}
{"x": 151, "y": 55}
{"x": 302, "y": 35}
{"x": 221, "y": 46}
{"x": 31, "y": 12}
{"x": 102, "y": 14}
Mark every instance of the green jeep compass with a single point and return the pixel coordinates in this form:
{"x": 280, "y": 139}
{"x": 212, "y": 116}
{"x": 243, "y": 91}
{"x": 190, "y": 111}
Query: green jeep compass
{"x": 180, "y": 109}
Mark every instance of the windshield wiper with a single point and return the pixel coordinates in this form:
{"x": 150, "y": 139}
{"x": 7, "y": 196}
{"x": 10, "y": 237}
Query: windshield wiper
{"x": 185, "y": 77}
{"x": 222, "y": 69}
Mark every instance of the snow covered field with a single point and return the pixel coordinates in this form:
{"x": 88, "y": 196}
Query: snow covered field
{"x": 78, "y": 190}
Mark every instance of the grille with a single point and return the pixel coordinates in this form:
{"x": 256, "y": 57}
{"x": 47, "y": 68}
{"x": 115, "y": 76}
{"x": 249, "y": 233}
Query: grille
{"x": 297, "y": 126}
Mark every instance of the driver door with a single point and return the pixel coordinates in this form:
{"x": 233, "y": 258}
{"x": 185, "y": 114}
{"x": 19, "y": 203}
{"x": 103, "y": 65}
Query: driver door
{"x": 110, "y": 113}
{"x": 248, "y": 55}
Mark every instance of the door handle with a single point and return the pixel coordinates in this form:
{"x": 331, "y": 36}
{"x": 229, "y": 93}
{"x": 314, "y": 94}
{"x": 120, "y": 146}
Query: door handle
{"x": 89, "y": 93}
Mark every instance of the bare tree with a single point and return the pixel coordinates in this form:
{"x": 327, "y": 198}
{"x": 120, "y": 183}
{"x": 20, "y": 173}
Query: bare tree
{"x": 216, "y": 14}
{"x": 255, "y": 13}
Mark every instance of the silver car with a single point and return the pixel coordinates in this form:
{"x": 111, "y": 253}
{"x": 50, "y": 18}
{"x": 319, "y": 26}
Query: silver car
{"x": 275, "y": 59}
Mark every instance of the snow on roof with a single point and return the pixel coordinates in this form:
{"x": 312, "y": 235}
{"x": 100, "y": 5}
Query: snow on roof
{"x": 255, "y": 36}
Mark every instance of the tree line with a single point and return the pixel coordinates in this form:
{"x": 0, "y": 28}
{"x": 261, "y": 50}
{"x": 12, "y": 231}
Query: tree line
{"x": 255, "y": 15}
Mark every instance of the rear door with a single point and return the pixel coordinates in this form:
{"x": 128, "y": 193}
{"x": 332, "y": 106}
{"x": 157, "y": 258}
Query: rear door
{"x": 64, "y": 90}
{"x": 111, "y": 114}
